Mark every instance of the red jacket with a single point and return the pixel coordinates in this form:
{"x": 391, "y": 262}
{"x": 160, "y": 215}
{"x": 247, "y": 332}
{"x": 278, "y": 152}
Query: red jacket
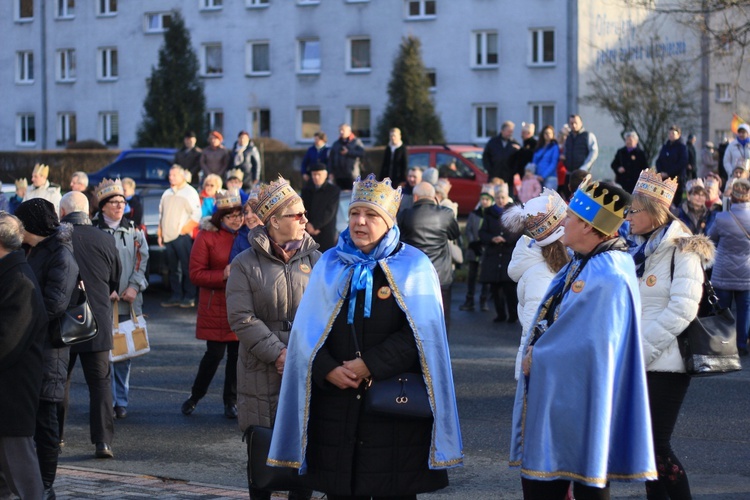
{"x": 209, "y": 257}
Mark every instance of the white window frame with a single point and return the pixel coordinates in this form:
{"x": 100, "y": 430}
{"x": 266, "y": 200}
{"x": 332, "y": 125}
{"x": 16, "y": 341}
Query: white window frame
{"x": 255, "y": 116}
{"x": 23, "y": 130}
{"x": 109, "y": 128}
{"x": 349, "y": 54}
{"x": 480, "y": 43}
{"x": 106, "y": 70}
{"x": 250, "y": 60}
{"x": 487, "y": 132}
{"x": 64, "y": 9}
{"x": 357, "y": 1}
{"x": 300, "y": 123}
{"x": 536, "y": 111}
{"x": 308, "y": 2}
{"x": 300, "y": 59}
{"x": 724, "y": 93}
{"x": 257, "y": 4}
{"x": 66, "y": 128}
{"x": 423, "y": 7}
{"x": 65, "y": 65}
{"x": 105, "y": 8}
{"x": 25, "y": 67}
{"x": 18, "y": 10}
{"x": 211, "y": 4}
{"x": 537, "y": 58}
{"x": 148, "y": 16}
{"x": 204, "y": 60}
{"x": 350, "y": 110}
{"x": 215, "y": 119}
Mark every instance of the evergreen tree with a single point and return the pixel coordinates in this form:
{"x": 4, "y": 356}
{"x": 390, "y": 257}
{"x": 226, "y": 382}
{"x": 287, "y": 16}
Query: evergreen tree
{"x": 175, "y": 102}
{"x": 410, "y": 107}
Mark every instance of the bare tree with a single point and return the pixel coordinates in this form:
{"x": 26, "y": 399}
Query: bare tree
{"x": 646, "y": 96}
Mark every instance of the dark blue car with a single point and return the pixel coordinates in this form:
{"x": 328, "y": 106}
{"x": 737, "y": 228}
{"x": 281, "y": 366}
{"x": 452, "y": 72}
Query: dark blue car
{"x": 146, "y": 166}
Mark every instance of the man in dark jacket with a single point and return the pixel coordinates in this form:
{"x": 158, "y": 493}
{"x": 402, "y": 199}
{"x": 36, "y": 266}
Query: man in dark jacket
{"x": 498, "y": 151}
{"x": 629, "y": 162}
{"x": 345, "y": 157}
{"x": 245, "y": 155}
{"x": 523, "y": 156}
{"x": 23, "y": 328}
{"x": 394, "y": 159}
{"x": 189, "y": 157}
{"x": 673, "y": 161}
{"x": 428, "y": 227}
{"x": 321, "y": 200}
{"x": 581, "y": 147}
{"x": 99, "y": 263}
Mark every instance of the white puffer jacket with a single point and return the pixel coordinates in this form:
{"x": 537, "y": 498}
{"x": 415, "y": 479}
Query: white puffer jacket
{"x": 668, "y": 305}
{"x": 527, "y": 267}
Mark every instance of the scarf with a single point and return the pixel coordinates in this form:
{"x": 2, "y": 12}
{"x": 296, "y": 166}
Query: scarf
{"x": 286, "y": 251}
{"x": 363, "y": 265}
{"x": 743, "y": 141}
{"x": 642, "y": 246}
{"x": 111, "y": 223}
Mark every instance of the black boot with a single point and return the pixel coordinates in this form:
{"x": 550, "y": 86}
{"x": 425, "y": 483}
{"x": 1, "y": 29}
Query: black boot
{"x": 49, "y": 493}
{"x": 300, "y": 494}
{"x": 467, "y": 306}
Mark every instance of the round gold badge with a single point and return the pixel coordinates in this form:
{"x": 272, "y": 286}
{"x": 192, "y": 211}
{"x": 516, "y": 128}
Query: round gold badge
{"x": 384, "y": 292}
{"x": 578, "y": 286}
{"x": 651, "y": 280}
{"x": 305, "y": 268}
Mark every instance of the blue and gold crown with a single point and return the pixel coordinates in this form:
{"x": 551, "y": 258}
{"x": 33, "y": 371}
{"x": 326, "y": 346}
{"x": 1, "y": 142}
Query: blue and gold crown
{"x": 380, "y": 196}
{"x": 593, "y": 210}
{"x": 228, "y": 199}
{"x": 651, "y": 184}
{"x": 108, "y": 188}
{"x": 273, "y": 197}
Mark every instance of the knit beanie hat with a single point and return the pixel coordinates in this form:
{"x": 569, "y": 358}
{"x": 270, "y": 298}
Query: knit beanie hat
{"x": 38, "y": 216}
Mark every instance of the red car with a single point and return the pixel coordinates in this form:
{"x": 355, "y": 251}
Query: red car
{"x": 466, "y": 177}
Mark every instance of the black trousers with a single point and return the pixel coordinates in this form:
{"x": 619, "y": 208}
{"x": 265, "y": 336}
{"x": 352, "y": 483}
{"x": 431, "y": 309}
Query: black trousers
{"x": 504, "y": 295}
{"x": 47, "y": 440}
{"x": 558, "y": 490}
{"x": 666, "y": 392}
{"x": 97, "y": 372}
{"x": 178, "y": 260}
{"x": 446, "y": 292}
{"x": 400, "y": 497}
{"x": 471, "y": 284}
{"x": 208, "y": 366}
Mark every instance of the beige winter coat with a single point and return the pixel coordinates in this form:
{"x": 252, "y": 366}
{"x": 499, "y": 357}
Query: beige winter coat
{"x": 262, "y": 298}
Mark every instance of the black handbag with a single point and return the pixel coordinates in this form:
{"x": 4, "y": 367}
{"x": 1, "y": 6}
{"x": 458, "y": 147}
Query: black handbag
{"x": 262, "y": 475}
{"x": 77, "y": 324}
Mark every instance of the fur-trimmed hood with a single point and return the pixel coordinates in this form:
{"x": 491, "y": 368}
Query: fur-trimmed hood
{"x": 64, "y": 233}
{"x": 699, "y": 245}
{"x": 206, "y": 225}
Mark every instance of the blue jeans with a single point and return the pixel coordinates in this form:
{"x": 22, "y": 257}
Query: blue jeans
{"x": 178, "y": 260}
{"x": 741, "y": 300}
{"x": 121, "y": 382}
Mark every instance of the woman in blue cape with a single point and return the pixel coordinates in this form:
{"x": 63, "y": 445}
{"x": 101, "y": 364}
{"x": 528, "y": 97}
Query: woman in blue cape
{"x": 387, "y": 294}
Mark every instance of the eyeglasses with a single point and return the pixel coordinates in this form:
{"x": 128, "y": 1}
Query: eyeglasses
{"x": 297, "y": 217}
{"x": 233, "y": 216}
{"x": 633, "y": 211}
{"x": 117, "y": 203}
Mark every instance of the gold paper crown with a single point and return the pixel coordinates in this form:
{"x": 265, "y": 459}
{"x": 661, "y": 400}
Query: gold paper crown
{"x": 273, "y": 197}
{"x": 379, "y": 196}
{"x": 228, "y": 199}
{"x": 489, "y": 190}
{"x": 651, "y": 184}
{"x": 545, "y": 215}
{"x": 22, "y": 183}
{"x": 593, "y": 209}
{"x": 108, "y": 188}
{"x": 237, "y": 173}
{"x": 41, "y": 169}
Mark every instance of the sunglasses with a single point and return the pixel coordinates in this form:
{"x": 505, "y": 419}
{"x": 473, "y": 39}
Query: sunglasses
{"x": 633, "y": 211}
{"x": 296, "y": 217}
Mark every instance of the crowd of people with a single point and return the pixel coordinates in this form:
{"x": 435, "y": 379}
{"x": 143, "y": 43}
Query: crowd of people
{"x": 308, "y": 319}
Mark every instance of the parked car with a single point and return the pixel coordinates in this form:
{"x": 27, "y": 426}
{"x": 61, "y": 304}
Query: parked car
{"x": 157, "y": 263}
{"x": 468, "y": 176}
{"x": 146, "y": 166}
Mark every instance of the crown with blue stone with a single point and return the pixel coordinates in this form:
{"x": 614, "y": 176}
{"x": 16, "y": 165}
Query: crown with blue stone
{"x": 228, "y": 199}
{"x": 651, "y": 184}
{"x": 108, "y": 188}
{"x": 593, "y": 210}
{"x": 273, "y": 197}
{"x": 380, "y": 196}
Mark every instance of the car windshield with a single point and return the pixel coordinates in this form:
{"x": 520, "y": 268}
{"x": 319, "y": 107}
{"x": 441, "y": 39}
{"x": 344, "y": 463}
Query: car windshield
{"x": 475, "y": 157}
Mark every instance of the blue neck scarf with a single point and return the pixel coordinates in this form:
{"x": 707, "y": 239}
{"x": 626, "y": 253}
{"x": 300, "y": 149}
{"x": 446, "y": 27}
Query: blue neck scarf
{"x": 642, "y": 246}
{"x": 363, "y": 264}
{"x": 743, "y": 142}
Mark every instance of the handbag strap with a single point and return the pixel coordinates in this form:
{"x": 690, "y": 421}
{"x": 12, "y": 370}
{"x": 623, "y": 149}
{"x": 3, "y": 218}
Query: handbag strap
{"x": 357, "y": 351}
{"x": 738, "y": 223}
{"x": 116, "y": 316}
{"x": 708, "y": 288}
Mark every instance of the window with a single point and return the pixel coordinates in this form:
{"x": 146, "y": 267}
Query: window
{"x": 25, "y": 66}
{"x": 66, "y": 128}
{"x": 543, "y": 114}
{"x": 309, "y": 56}
{"x": 108, "y": 68}
{"x": 261, "y": 122}
{"x": 309, "y": 123}
{"x": 66, "y": 65}
{"x": 26, "y": 129}
{"x": 432, "y": 78}
{"x": 358, "y": 55}
{"x": 24, "y": 10}
{"x": 722, "y": 135}
{"x": 256, "y": 3}
{"x": 258, "y": 58}
{"x": 215, "y": 120}
{"x": 212, "y": 63}
{"x": 723, "y": 92}
{"x": 211, "y": 4}
{"x": 420, "y": 9}
{"x": 157, "y": 22}
{"x": 65, "y": 9}
{"x": 107, "y": 7}
{"x": 443, "y": 162}
{"x": 419, "y": 160}
{"x": 485, "y": 119}
{"x": 542, "y": 47}
{"x": 359, "y": 118}
{"x": 109, "y": 125}
{"x": 308, "y": 2}
{"x": 484, "y": 49}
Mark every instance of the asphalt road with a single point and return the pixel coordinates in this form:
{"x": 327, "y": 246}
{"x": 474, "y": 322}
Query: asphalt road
{"x": 711, "y": 437}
